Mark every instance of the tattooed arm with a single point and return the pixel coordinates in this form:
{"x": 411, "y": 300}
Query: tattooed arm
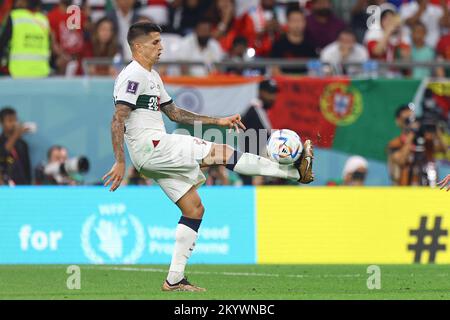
{"x": 117, "y": 172}
{"x": 186, "y": 117}
{"x": 179, "y": 115}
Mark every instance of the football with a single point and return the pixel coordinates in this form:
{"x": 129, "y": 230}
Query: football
{"x": 284, "y": 146}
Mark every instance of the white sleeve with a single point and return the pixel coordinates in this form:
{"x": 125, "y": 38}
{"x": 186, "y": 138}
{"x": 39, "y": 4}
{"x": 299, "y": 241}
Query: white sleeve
{"x": 128, "y": 90}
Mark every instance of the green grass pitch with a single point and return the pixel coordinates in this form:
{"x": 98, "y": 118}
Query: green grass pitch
{"x": 227, "y": 282}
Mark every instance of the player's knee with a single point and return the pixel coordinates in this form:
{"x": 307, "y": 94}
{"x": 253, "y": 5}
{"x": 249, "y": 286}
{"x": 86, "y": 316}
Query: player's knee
{"x": 195, "y": 212}
{"x": 200, "y": 211}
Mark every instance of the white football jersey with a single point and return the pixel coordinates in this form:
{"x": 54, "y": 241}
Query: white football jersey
{"x": 143, "y": 91}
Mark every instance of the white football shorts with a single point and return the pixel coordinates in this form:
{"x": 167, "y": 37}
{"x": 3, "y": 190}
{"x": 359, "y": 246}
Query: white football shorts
{"x": 172, "y": 160}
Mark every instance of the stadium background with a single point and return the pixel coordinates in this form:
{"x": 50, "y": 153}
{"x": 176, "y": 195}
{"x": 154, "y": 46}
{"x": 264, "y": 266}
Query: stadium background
{"x": 243, "y": 225}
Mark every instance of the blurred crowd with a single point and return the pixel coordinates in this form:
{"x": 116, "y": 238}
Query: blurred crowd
{"x": 210, "y": 31}
{"x": 411, "y": 156}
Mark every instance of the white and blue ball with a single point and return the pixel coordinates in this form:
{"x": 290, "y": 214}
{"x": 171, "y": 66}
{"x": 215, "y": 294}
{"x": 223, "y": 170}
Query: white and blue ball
{"x": 284, "y": 146}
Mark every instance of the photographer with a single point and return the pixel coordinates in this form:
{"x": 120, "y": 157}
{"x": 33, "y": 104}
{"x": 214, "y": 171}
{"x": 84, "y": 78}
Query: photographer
{"x": 411, "y": 155}
{"x": 15, "y": 165}
{"x": 355, "y": 171}
{"x": 59, "y": 169}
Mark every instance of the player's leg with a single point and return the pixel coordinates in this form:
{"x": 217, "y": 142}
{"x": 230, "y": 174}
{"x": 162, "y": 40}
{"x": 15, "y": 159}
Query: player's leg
{"x": 185, "y": 237}
{"x": 254, "y": 165}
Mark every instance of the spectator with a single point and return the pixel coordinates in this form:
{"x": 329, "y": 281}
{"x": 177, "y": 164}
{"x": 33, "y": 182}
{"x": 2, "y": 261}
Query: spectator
{"x": 322, "y": 25}
{"x": 217, "y": 176}
{"x": 103, "y": 45}
{"x": 200, "y": 46}
{"x": 388, "y": 42}
{"x": 443, "y": 54}
{"x": 226, "y": 26}
{"x": 432, "y": 16}
{"x": 67, "y": 44}
{"x": 266, "y": 26}
{"x": 136, "y": 179}
{"x": 410, "y": 153}
{"x": 123, "y": 16}
{"x": 24, "y": 60}
{"x": 257, "y": 121}
{"x": 360, "y": 17}
{"x": 14, "y": 156}
{"x": 345, "y": 49}
{"x": 50, "y": 173}
{"x": 184, "y": 15}
{"x": 5, "y": 7}
{"x": 240, "y": 52}
{"x": 355, "y": 171}
{"x": 420, "y": 51}
{"x": 293, "y": 43}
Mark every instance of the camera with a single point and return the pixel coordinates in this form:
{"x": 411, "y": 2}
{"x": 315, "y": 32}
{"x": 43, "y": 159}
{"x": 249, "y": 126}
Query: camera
{"x": 424, "y": 127}
{"x": 60, "y": 171}
{"x": 70, "y": 166}
{"x": 432, "y": 115}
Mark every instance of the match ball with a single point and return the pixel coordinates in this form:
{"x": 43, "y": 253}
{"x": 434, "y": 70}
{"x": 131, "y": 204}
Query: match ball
{"x": 284, "y": 146}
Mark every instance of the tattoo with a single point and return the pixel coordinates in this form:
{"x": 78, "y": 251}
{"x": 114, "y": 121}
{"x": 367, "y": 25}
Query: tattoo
{"x": 186, "y": 117}
{"x": 118, "y": 130}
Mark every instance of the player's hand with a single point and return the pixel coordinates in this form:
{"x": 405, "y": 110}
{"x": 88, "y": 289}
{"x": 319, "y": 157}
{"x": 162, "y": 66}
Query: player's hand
{"x": 232, "y": 122}
{"x": 445, "y": 183}
{"x": 115, "y": 176}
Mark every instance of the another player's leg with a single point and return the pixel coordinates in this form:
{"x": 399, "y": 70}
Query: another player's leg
{"x": 185, "y": 236}
{"x": 254, "y": 165}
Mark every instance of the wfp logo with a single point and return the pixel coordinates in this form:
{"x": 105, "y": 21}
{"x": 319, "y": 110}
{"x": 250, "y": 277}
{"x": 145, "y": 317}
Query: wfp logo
{"x": 113, "y": 236}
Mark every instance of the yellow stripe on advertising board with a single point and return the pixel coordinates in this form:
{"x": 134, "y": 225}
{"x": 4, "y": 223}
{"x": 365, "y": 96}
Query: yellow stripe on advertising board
{"x": 352, "y": 225}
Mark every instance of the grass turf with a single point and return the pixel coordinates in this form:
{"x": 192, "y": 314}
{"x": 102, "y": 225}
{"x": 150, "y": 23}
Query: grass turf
{"x": 228, "y": 282}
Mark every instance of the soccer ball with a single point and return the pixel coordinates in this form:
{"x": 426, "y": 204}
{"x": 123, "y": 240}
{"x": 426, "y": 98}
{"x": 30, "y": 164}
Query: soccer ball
{"x": 284, "y": 146}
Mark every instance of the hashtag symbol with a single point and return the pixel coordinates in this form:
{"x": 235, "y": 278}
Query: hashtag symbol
{"x": 432, "y": 247}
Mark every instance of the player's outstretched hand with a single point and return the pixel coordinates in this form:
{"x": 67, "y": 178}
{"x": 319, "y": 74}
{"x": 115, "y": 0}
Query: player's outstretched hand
{"x": 232, "y": 122}
{"x": 115, "y": 176}
{"x": 445, "y": 183}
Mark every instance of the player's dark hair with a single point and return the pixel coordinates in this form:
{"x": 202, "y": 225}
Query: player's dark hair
{"x": 7, "y": 111}
{"x": 140, "y": 29}
{"x": 294, "y": 8}
{"x": 400, "y": 109}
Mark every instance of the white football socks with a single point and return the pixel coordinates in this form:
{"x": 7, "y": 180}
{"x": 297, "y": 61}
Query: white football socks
{"x": 185, "y": 239}
{"x": 253, "y": 165}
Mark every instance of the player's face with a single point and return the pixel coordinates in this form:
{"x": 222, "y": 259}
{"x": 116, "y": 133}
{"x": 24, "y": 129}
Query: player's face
{"x": 150, "y": 47}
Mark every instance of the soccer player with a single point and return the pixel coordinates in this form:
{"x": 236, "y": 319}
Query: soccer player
{"x": 445, "y": 183}
{"x": 173, "y": 160}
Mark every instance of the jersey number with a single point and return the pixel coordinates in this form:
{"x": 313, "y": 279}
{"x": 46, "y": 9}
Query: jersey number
{"x": 153, "y": 103}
